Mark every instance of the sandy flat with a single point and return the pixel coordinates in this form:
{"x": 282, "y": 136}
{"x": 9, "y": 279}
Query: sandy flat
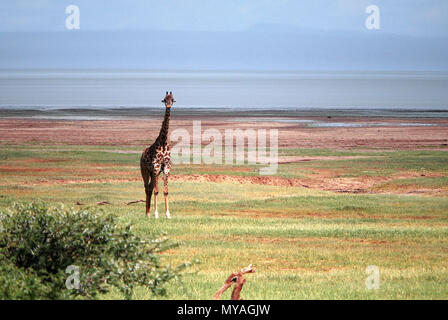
{"x": 140, "y": 133}
{"x": 291, "y": 134}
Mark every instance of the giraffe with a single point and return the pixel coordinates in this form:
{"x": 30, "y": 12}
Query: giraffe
{"x": 157, "y": 159}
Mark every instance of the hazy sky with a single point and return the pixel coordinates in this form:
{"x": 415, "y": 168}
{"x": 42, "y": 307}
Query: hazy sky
{"x": 405, "y": 17}
{"x": 225, "y": 34}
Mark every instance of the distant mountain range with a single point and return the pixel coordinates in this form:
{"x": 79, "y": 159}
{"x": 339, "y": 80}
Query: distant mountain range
{"x": 260, "y": 49}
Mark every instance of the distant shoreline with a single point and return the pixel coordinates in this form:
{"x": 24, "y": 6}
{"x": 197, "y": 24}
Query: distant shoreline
{"x": 151, "y": 112}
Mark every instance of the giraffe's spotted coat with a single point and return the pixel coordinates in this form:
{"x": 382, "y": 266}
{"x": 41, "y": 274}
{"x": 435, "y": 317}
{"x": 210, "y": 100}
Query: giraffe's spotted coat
{"x": 156, "y": 159}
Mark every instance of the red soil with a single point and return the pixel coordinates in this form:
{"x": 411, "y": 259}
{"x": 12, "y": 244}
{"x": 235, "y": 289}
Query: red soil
{"x": 142, "y": 132}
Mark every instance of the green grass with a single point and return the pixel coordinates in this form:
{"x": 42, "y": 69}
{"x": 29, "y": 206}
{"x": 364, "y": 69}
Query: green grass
{"x": 374, "y": 163}
{"x": 304, "y": 243}
{"x": 410, "y": 183}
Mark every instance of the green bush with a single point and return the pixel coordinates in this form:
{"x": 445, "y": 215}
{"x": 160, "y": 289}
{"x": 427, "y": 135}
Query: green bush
{"x": 17, "y": 283}
{"x": 37, "y": 244}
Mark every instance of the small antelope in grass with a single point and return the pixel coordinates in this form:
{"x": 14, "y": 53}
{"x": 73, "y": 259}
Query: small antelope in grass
{"x": 157, "y": 159}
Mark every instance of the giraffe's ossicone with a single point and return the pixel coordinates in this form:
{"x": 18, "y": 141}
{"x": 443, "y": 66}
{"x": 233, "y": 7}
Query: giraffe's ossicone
{"x": 156, "y": 159}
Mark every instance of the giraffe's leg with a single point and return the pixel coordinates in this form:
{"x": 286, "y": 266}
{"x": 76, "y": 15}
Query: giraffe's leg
{"x": 148, "y": 189}
{"x": 166, "y": 173}
{"x": 156, "y": 192}
{"x": 145, "y": 176}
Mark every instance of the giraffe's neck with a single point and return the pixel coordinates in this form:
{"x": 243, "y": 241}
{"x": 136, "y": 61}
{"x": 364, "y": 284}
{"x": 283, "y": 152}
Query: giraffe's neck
{"x": 162, "y": 138}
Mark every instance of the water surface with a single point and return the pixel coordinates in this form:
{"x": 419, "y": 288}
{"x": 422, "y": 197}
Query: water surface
{"x": 100, "y": 89}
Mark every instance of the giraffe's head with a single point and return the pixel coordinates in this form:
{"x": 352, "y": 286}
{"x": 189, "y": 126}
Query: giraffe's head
{"x": 168, "y": 100}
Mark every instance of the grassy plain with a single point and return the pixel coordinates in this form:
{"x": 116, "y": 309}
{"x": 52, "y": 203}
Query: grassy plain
{"x": 306, "y": 239}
